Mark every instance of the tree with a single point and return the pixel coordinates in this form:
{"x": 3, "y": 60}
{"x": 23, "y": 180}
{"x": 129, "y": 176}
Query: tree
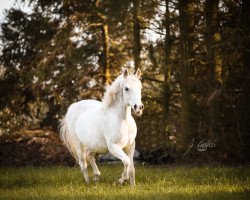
{"x": 214, "y": 58}
{"x": 167, "y": 52}
{"x": 194, "y": 55}
{"x": 105, "y": 44}
{"x": 56, "y": 48}
{"x": 245, "y": 98}
{"x": 187, "y": 79}
{"x": 136, "y": 32}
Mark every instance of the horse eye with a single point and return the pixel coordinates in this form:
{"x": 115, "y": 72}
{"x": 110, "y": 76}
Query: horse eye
{"x": 126, "y": 88}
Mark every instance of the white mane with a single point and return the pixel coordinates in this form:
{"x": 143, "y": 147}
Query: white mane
{"x": 112, "y": 91}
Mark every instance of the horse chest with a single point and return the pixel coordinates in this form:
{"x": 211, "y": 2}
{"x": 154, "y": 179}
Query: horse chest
{"x": 125, "y": 135}
{"x": 117, "y": 130}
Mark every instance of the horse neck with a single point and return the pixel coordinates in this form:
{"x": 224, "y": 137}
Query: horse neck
{"x": 120, "y": 109}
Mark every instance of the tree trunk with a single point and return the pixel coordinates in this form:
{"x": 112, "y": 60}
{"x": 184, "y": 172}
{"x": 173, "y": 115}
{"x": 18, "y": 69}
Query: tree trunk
{"x": 245, "y": 98}
{"x": 214, "y": 60}
{"x": 106, "y": 64}
{"x": 152, "y": 56}
{"x": 166, "y": 70}
{"x": 137, "y": 36}
{"x": 213, "y": 38}
{"x": 187, "y": 83}
{"x": 105, "y": 45}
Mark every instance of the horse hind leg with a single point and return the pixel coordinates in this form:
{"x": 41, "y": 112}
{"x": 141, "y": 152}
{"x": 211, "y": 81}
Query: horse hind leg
{"x": 96, "y": 171}
{"x": 82, "y": 159}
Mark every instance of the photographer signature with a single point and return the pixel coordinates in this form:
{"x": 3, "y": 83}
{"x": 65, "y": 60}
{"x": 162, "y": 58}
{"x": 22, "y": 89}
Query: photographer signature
{"x": 201, "y": 146}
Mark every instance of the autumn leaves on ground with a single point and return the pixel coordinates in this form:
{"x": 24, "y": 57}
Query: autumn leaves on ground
{"x": 36, "y": 148}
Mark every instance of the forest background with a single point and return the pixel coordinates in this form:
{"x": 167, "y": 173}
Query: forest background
{"x": 194, "y": 56}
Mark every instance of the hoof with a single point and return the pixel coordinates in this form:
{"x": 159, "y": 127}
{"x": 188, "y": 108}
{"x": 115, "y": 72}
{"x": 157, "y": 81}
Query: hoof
{"x": 96, "y": 178}
{"x": 87, "y": 183}
{"x": 132, "y": 183}
{"x": 122, "y": 181}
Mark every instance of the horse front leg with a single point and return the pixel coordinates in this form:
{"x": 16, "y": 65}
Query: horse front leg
{"x": 117, "y": 151}
{"x": 131, "y": 171}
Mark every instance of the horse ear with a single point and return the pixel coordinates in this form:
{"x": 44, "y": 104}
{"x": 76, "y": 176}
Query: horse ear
{"x": 138, "y": 73}
{"x": 125, "y": 73}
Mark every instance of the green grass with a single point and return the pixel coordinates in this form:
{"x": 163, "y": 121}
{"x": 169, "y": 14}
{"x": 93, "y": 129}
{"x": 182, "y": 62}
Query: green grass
{"x": 152, "y": 182}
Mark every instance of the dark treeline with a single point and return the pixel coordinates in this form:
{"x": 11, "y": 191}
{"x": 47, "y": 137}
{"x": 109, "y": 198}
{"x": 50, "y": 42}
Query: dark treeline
{"x": 194, "y": 56}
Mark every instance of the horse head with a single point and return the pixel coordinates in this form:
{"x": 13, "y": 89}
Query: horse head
{"x": 131, "y": 91}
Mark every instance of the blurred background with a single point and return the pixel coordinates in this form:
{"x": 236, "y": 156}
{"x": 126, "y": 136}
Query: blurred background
{"x": 194, "y": 56}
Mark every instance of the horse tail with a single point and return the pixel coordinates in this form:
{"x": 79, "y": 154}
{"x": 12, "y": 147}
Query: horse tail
{"x": 68, "y": 137}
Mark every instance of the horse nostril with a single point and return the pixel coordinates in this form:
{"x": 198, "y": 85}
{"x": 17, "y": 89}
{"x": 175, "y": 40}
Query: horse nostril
{"x": 135, "y": 106}
{"x": 142, "y": 106}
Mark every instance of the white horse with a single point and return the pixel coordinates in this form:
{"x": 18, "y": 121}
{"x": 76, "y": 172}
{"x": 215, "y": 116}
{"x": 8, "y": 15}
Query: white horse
{"x": 91, "y": 126}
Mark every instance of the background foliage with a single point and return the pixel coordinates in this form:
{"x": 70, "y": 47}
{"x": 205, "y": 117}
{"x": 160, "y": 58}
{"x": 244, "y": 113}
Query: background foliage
{"x": 194, "y": 56}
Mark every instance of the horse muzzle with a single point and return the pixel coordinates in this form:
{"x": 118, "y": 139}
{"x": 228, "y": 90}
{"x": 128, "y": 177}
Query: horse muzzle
{"x": 138, "y": 110}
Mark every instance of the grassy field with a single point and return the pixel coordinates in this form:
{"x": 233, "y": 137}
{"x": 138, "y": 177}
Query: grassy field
{"x": 153, "y": 182}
